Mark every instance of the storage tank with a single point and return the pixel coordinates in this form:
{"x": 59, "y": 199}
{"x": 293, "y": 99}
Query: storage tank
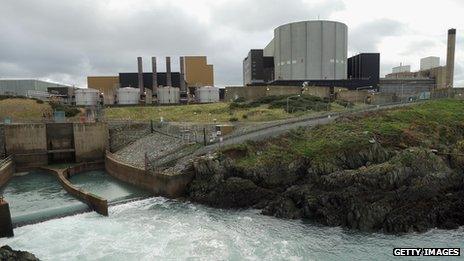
{"x": 207, "y": 94}
{"x": 168, "y": 95}
{"x": 310, "y": 50}
{"x": 128, "y": 95}
{"x": 87, "y": 97}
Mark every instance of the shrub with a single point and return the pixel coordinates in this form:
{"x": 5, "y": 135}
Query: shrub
{"x": 245, "y": 116}
{"x": 346, "y": 104}
{"x": 232, "y": 119}
{"x": 69, "y": 111}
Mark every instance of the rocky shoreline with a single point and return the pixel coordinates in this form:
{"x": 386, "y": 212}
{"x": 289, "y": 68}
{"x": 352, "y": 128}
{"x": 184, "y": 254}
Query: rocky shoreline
{"x": 392, "y": 187}
{"x": 8, "y": 254}
{"x": 412, "y": 191}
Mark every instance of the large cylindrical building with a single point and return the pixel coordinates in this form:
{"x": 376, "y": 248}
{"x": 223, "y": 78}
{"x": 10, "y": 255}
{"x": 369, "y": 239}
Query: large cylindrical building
{"x": 310, "y": 50}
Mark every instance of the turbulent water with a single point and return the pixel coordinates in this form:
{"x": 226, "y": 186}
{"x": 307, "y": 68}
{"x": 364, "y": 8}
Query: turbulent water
{"x": 160, "y": 229}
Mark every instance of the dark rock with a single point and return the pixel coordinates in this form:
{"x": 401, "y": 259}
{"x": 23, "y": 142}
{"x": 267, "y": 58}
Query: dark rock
{"x": 8, "y": 254}
{"x": 409, "y": 190}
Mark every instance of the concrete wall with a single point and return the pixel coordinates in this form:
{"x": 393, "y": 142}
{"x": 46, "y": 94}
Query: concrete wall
{"x": 255, "y": 92}
{"x": 164, "y": 185}
{"x": 95, "y": 202}
{"x": 28, "y": 142}
{"x": 6, "y": 173}
{"x": 6, "y": 226}
{"x": 90, "y": 141}
{"x": 359, "y": 96}
{"x": 60, "y": 139}
{"x": 33, "y": 144}
{"x": 7, "y": 169}
{"x": 2, "y": 141}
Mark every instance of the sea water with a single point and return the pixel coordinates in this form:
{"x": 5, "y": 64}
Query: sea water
{"x": 162, "y": 229}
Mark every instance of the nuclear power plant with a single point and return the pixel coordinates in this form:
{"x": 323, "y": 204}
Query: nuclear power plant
{"x": 314, "y": 53}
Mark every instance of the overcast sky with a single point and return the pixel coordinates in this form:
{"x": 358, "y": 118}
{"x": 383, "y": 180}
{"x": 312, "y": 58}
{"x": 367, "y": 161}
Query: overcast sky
{"x": 67, "y": 40}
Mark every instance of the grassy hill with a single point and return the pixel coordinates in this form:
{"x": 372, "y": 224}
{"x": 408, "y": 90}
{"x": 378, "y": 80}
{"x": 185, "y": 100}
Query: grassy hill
{"x": 433, "y": 125}
{"x": 23, "y": 109}
{"x": 222, "y": 112}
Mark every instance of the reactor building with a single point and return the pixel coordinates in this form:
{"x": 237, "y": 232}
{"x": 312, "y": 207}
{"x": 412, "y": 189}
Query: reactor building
{"x": 315, "y": 52}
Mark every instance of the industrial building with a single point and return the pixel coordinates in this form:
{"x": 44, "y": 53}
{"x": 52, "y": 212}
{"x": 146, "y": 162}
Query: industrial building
{"x": 106, "y": 85}
{"x": 311, "y": 52}
{"x": 430, "y": 62}
{"x": 365, "y": 66}
{"x": 194, "y": 72}
{"x": 130, "y": 79}
{"x": 401, "y": 69}
{"x": 258, "y": 68}
{"x": 198, "y": 72}
{"x": 25, "y": 87}
{"x": 431, "y": 76}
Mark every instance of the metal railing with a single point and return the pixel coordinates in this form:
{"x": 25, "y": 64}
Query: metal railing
{"x": 6, "y": 161}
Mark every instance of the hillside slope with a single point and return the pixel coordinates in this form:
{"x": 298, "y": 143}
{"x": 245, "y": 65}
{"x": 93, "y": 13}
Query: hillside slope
{"x": 23, "y": 109}
{"x": 393, "y": 171}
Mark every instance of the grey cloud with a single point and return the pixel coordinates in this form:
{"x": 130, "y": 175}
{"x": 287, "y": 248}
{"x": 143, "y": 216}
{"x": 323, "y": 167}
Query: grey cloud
{"x": 266, "y": 14}
{"x": 367, "y": 36}
{"x": 419, "y": 48}
{"x": 71, "y": 39}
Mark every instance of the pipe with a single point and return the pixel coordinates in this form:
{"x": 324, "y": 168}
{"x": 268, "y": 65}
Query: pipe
{"x": 450, "y": 58}
{"x": 168, "y": 71}
{"x": 183, "y": 88}
{"x": 155, "y": 75}
{"x": 140, "y": 74}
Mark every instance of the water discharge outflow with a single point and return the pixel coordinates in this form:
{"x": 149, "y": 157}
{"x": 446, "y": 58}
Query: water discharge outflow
{"x": 38, "y": 196}
{"x": 160, "y": 229}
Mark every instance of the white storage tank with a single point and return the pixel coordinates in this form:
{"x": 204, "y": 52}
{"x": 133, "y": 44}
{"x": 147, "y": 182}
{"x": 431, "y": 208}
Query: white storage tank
{"x": 87, "y": 97}
{"x": 168, "y": 95}
{"x": 207, "y": 94}
{"x": 128, "y": 95}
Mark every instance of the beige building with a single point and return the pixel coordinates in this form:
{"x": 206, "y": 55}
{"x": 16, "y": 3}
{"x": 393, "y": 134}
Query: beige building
{"x": 108, "y": 85}
{"x": 198, "y": 72}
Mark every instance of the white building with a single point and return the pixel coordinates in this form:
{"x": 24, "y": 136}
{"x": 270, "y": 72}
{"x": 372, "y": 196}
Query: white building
{"x": 429, "y": 63}
{"x": 20, "y": 87}
{"x": 401, "y": 68}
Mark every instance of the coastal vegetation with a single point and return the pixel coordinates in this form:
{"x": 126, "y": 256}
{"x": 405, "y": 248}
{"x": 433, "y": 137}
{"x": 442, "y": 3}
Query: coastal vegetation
{"x": 393, "y": 171}
{"x": 258, "y": 111}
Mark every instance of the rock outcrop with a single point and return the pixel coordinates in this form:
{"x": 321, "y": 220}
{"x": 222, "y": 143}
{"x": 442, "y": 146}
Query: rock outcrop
{"x": 8, "y": 254}
{"x": 373, "y": 190}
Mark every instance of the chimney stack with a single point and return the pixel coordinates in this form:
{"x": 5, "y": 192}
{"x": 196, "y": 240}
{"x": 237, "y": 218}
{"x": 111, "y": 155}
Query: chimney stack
{"x": 450, "y": 58}
{"x": 183, "y": 88}
{"x": 140, "y": 74}
{"x": 155, "y": 75}
{"x": 168, "y": 71}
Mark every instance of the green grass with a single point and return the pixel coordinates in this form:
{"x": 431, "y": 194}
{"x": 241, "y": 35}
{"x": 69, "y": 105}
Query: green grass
{"x": 432, "y": 124}
{"x": 203, "y": 113}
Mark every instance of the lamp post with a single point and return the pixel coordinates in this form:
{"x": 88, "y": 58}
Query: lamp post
{"x": 288, "y": 99}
